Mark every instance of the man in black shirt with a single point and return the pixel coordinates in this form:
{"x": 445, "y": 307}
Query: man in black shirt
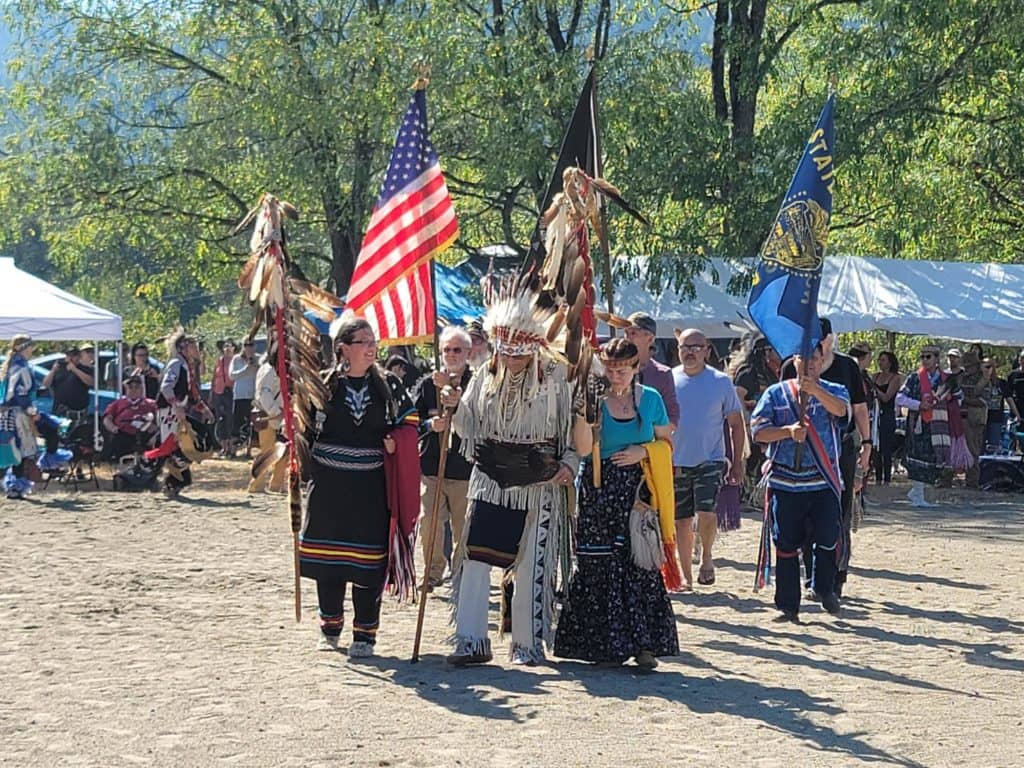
{"x": 454, "y": 487}
{"x": 1015, "y": 383}
{"x": 70, "y": 382}
{"x": 842, "y": 369}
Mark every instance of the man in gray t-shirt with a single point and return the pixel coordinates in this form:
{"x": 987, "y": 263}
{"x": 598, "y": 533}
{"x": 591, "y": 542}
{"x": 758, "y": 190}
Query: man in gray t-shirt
{"x": 707, "y": 401}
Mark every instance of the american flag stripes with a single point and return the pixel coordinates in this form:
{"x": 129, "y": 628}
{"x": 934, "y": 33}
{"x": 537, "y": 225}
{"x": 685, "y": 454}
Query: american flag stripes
{"x": 412, "y": 222}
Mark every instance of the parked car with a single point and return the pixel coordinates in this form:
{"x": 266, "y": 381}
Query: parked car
{"x": 44, "y": 364}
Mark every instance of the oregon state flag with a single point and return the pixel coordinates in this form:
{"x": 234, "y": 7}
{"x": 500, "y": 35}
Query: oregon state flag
{"x": 784, "y": 294}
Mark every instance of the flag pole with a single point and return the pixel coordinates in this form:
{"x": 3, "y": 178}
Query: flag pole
{"x": 805, "y": 350}
{"x": 428, "y": 555}
{"x": 606, "y": 261}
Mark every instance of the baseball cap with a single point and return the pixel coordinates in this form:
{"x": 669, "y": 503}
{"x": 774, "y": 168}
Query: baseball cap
{"x": 825, "y": 325}
{"x": 644, "y": 322}
{"x": 87, "y": 348}
{"x": 954, "y": 352}
{"x": 476, "y": 328}
{"x": 860, "y": 349}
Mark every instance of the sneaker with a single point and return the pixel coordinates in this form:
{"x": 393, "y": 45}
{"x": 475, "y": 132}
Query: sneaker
{"x": 830, "y": 603}
{"x": 15, "y": 495}
{"x": 327, "y": 642}
{"x": 360, "y": 649}
{"x": 811, "y": 596}
{"x": 646, "y": 661}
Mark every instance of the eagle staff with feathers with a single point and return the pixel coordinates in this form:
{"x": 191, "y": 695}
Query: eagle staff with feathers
{"x": 340, "y": 428}
{"x": 564, "y": 281}
{"x": 268, "y": 286}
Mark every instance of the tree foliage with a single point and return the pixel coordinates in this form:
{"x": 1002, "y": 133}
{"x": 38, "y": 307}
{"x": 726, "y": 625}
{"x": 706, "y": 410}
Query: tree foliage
{"x": 137, "y": 133}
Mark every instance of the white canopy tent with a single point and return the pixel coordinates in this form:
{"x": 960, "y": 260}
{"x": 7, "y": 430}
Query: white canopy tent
{"x": 967, "y": 301}
{"x": 45, "y": 312}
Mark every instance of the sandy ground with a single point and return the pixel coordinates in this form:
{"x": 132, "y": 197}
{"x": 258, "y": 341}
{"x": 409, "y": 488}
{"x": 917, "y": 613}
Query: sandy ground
{"x": 137, "y": 631}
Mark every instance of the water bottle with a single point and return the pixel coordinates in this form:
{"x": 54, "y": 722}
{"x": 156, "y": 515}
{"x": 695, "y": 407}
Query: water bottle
{"x": 1007, "y": 429}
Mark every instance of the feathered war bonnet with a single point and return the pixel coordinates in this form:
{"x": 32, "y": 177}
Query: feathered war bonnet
{"x": 516, "y": 326}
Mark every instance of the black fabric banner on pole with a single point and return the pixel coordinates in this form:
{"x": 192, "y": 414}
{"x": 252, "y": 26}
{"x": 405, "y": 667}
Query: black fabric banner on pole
{"x": 580, "y": 148}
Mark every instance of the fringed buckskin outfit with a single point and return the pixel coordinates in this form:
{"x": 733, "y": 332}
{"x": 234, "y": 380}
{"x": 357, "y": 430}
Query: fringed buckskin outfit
{"x": 518, "y": 428}
{"x": 345, "y": 538}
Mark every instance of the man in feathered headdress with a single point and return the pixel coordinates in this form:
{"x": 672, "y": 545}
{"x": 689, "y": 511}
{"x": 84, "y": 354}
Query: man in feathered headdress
{"x": 516, "y": 422}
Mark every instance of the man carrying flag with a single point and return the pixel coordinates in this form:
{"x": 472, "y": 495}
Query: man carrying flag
{"x": 783, "y": 303}
{"x": 803, "y": 486}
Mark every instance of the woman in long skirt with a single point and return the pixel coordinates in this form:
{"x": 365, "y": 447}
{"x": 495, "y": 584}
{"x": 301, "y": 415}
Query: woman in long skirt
{"x": 616, "y": 610}
{"x": 345, "y": 537}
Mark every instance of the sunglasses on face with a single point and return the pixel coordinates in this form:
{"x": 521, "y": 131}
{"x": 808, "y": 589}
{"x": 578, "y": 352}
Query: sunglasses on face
{"x": 363, "y": 343}
{"x": 927, "y": 356}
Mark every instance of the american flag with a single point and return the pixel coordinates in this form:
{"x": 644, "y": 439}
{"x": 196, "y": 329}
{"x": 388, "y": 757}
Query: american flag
{"x": 412, "y": 222}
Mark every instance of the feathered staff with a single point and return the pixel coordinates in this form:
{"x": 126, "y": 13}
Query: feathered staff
{"x": 565, "y": 279}
{"x": 293, "y": 345}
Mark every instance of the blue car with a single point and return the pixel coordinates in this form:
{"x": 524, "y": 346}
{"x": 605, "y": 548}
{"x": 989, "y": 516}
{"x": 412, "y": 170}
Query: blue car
{"x": 42, "y": 366}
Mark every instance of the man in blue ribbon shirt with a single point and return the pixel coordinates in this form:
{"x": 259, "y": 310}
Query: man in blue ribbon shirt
{"x": 804, "y": 499}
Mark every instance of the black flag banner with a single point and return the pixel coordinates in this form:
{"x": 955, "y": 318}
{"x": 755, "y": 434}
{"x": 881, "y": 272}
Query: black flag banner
{"x": 581, "y": 148}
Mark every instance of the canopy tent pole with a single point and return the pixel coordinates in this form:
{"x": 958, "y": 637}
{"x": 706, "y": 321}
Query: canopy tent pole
{"x": 96, "y": 397}
{"x": 119, "y": 384}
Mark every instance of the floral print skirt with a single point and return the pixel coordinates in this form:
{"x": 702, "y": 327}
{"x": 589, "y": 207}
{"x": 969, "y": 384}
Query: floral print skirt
{"x": 613, "y": 609}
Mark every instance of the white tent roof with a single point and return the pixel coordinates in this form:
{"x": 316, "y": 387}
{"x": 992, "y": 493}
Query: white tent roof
{"x": 43, "y": 311}
{"x": 967, "y": 301}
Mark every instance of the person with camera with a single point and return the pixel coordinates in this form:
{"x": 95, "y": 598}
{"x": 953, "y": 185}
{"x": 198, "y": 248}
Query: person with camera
{"x": 141, "y": 367}
{"x": 70, "y": 382}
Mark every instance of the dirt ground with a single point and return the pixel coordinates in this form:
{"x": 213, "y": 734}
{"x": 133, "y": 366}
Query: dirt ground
{"x": 139, "y": 631}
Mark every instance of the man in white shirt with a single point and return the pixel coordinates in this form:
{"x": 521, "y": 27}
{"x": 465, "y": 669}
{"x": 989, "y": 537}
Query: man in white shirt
{"x": 272, "y": 465}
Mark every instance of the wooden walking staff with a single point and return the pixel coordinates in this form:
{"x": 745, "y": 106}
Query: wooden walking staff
{"x": 442, "y": 463}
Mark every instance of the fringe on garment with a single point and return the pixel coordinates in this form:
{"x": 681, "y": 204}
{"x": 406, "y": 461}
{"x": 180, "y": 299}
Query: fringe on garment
{"x": 557, "y": 560}
{"x": 728, "y": 508}
{"x": 529, "y": 655}
{"x": 484, "y": 416}
{"x": 763, "y": 572}
{"x": 470, "y": 646}
{"x": 960, "y": 457}
{"x": 400, "y": 577}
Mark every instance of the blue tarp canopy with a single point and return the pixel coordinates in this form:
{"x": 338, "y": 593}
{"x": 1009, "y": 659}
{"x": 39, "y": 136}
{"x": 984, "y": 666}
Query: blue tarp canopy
{"x": 453, "y": 304}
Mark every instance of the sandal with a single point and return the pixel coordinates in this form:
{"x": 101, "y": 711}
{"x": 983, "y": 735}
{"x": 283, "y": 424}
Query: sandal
{"x": 706, "y": 576}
